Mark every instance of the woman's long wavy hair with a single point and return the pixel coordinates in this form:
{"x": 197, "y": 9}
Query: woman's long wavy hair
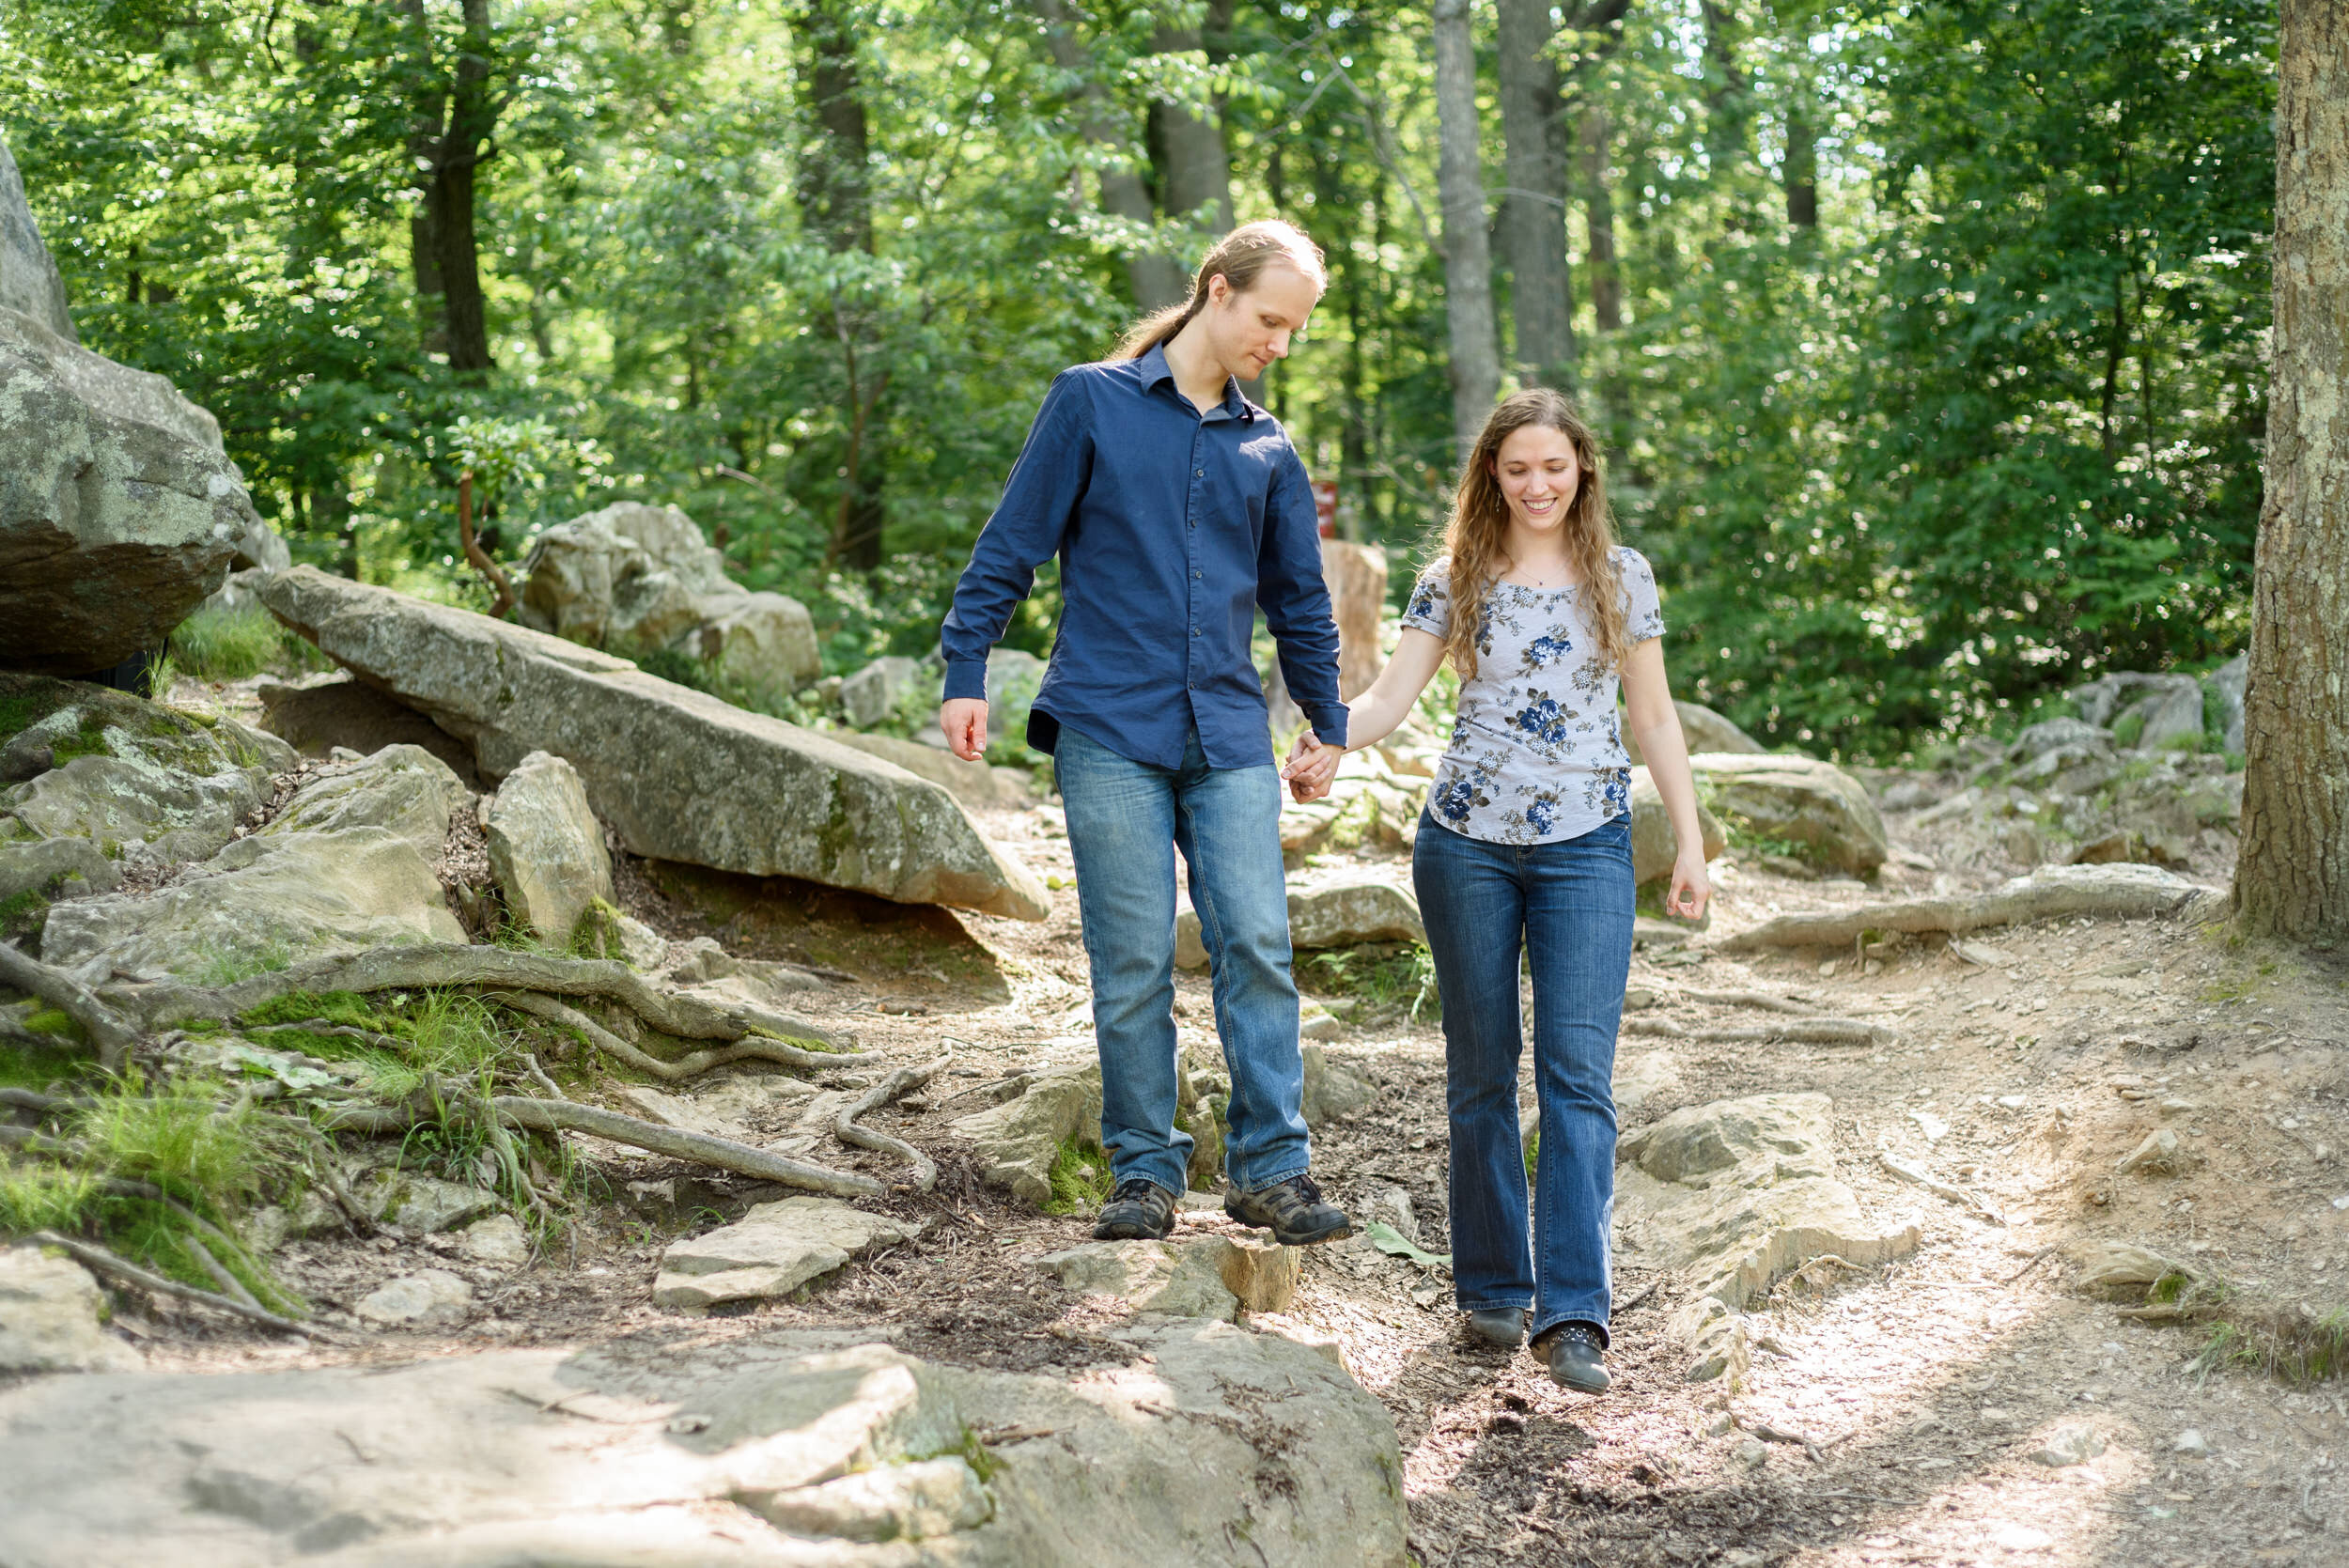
{"x": 1241, "y": 255}
{"x": 1475, "y": 540}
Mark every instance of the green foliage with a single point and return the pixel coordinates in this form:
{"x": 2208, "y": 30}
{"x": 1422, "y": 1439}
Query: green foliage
{"x": 217, "y": 964}
{"x": 45, "y": 1197}
{"x": 2129, "y": 728}
{"x": 178, "y": 1135}
{"x": 1080, "y": 1179}
{"x": 1383, "y": 978}
{"x": 231, "y": 645}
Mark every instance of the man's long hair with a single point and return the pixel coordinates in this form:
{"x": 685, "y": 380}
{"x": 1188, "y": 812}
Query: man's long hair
{"x": 1241, "y": 256}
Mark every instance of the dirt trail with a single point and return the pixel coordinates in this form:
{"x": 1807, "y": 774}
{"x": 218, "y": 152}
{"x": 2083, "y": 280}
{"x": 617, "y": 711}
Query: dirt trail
{"x": 1889, "y": 1414}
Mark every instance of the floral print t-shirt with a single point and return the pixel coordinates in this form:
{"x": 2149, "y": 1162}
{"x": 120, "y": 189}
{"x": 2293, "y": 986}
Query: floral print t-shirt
{"x": 1536, "y": 754}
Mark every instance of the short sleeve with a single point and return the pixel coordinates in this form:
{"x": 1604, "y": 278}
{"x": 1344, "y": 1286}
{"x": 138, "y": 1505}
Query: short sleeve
{"x": 1642, "y": 609}
{"x": 1430, "y": 610}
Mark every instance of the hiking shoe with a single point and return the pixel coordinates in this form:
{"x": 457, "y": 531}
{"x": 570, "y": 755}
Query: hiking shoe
{"x": 1575, "y": 1353}
{"x": 1139, "y": 1210}
{"x": 1501, "y": 1325}
{"x": 1292, "y": 1210}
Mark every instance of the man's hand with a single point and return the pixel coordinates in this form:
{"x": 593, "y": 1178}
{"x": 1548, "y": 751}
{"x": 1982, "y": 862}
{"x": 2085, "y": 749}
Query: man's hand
{"x": 964, "y": 719}
{"x": 1691, "y": 887}
{"x": 1311, "y": 767}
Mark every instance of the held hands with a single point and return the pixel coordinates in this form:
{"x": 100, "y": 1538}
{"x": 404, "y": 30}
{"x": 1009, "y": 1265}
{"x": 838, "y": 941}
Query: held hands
{"x": 1311, "y": 767}
{"x": 964, "y": 719}
{"x": 1691, "y": 887}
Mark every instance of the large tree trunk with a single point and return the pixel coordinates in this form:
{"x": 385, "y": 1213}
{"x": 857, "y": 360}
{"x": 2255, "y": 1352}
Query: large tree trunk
{"x": 2293, "y": 878}
{"x": 472, "y": 120}
{"x": 1598, "y": 218}
{"x": 426, "y": 118}
{"x": 1729, "y": 104}
{"x": 1156, "y": 278}
{"x": 1197, "y": 171}
{"x": 1467, "y": 268}
{"x": 1533, "y": 216}
{"x": 1802, "y": 162}
{"x": 836, "y": 198}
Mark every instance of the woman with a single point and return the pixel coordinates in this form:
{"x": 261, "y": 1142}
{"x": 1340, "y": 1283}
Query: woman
{"x": 1526, "y": 833}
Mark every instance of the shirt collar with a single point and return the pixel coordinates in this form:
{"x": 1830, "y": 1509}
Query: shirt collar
{"x": 1154, "y": 369}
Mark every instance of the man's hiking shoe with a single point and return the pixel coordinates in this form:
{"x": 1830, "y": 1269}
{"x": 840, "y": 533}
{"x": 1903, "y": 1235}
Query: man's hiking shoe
{"x": 1292, "y": 1210}
{"x": 1501, "y": 1325}
{"x": 1139, "y": 1210}
{"x": 1575, "y": 1353}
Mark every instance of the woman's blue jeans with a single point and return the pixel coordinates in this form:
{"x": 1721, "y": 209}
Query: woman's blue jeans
{"x": 1126, "y": 820}
{"x": 1570, "y": 904}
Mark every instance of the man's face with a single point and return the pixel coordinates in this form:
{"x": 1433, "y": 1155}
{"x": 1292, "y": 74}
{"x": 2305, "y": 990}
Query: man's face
{"x": 1247, "y": 332}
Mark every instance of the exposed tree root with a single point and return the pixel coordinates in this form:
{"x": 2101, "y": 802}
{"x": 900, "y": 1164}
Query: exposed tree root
{"x": 1811, "y": 1031}
{"x": 1761, "y": 1001}
{"x": 751, "y": 1048}
{"x": 1971, "y": 1203}
{"x": 113, "y": 1034}
{"x": 387, "y": 968}
{"x": 845, "y": 1126}
{"x": 329, "y": 1027}
{"x": 2116, "y": 891}
{"x": 104, "y": 1261}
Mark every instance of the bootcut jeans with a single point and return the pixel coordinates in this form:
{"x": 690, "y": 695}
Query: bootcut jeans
{"x": 1569, "y": 904}
{"x": 1125, "y": 821}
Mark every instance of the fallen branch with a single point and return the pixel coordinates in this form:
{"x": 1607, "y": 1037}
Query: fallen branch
{"x": 751, "y": 1048}
{"x": 410, "y": 967}
{"x": 845, "y": 1126}
{"x": 2116, "y": 891}
{"x": 107, "y": 1030}
{"x": 104, "y": 1261}
{"x": 1970, "y": 1201}
{"x": 723, "y": 1152}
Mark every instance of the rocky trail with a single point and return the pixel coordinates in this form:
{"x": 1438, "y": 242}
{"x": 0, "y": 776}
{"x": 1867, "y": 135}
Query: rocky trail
{"x": 2002, "y": 1247}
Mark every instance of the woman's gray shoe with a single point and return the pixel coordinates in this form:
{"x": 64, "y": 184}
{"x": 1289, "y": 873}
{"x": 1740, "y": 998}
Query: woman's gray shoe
{"x": 1575, "y": 1353}
{"x": 1292, "y": 1210}
{"x": 1501, "y": 1325}
{"x": 1139, "y": 1210}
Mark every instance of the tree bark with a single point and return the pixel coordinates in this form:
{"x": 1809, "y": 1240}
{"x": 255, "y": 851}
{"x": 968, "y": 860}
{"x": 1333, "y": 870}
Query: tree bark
{"x": 1803, "y": 164}
{"x": 836, "y": 197}
{"x": 1533, "y": 215}
{"x": 1468, "y": 252}
{"x": 1598, "y": 219}
{"x": 1157, "y": 279}
{"x": 2292, "y": 881}
{"x": 1197, "y": 172}
{"x": 472, "y": 120}
{"x": 428, "y": 110}
{"x": 1729, "y": 107}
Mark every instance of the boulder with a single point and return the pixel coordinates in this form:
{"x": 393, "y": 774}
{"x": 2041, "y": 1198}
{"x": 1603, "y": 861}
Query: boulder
{"x": 793, "y": 1448}
{"x": 1338, "y": 914}
{"x": 55, "y": 869}
{"x": 872, "y": 693}
{"x": 50, "y": 1308}
{"x": 29, "y": 282}
{"x": 771, "y": 1251}
{"x": 1815, "y": 806}
{"x": 641, "y": 577}
{"x": 2226, "y": 684}
{"x": 1356, "y": 575}
{"x": 974, "y": 783}
{"x": 1654, "y": 844}
{"x": 1015, "y": 1142}
{"x": 2168, "y": 706}
{"x": 546, "y": 848}
{"x": 2053, "y": 735}
{"x": 1702, "y": 728}
{"x": 119, "y": 510}
{"x": 679, "y": 775}
{"x": 1733, "y": 1194}
{"x": 348, "y": 864}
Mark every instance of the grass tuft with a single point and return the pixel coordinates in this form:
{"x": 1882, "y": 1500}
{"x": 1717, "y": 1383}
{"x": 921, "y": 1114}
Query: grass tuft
{"x": 232, "y": 644}
{"x": 1080, "y": 1179}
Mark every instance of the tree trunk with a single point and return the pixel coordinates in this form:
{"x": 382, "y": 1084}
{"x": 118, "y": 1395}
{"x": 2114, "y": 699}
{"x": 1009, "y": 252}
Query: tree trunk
{"x": 2293, "y": 878}
{"x": 427, "y": 114}
{"x": 472, "y": 119}
{"x": 1729, "y": 107}
{"x": 1533, "y": 216}
{"x": 1156, "y": 278}
{"x": 1598, "y": 218}
{"x": 1197, "y": 171}
{"x": 836, "y": 198}
{"x": 1468, "y": 255}
{"x": 1802, "y": 163}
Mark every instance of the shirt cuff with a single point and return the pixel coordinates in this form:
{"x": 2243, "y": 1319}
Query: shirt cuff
{"x": 1328, "y": 723}
{"x": 966, "y": 677}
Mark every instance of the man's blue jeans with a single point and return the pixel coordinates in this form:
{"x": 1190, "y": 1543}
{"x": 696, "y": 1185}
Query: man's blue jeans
{"x": 1126, "y": 820}
{"x": 1570, "y": 904}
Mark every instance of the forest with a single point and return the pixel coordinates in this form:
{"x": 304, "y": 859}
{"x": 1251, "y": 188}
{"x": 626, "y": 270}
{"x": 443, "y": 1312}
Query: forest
{"x": 1928, "y": 340}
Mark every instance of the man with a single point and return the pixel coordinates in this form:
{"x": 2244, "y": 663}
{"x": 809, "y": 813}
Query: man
{"x": 1176, "y": 508}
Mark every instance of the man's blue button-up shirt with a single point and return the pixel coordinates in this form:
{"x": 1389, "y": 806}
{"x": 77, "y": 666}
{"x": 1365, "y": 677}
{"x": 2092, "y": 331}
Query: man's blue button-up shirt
{"x": 1171, "y": 528}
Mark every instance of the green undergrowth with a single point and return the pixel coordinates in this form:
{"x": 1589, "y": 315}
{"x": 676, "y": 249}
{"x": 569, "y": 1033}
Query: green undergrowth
{"x": 1080, "y": 1177}
{"x": 2293, "y": 1346}
{"x": 1382, "y": 977}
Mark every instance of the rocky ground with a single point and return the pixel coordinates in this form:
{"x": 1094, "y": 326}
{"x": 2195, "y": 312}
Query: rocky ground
{"x": 1967, "y": 1399}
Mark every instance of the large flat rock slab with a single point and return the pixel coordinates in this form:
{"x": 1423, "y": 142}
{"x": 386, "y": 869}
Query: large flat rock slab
{"x": 1223, "y": 1447}
{"x": 679, "y": 775}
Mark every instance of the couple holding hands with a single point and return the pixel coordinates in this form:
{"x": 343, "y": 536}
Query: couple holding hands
{"x": 1177, "y": 509}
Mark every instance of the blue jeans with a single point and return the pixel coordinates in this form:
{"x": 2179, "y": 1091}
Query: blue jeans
{"x": 1126, "y": 820}
{"x": 1570, "y": 902}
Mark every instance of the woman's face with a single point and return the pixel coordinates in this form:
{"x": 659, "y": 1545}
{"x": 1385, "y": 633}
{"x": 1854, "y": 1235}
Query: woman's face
{"x": 1538, "y": 475}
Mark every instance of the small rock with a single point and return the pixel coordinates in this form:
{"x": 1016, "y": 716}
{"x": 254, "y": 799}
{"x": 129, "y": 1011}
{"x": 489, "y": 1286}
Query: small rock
{"x": 2068, "y": 1445}
{"x": 1751, "y": 1451}
{"x": 1981, "y": 954}
{"x": 2157, "y": 1154}
{"x": 1332, "y": 1093}
{"x": 771, "y": 1251}
{"x": 1935, "y": 1127}
{"x": 1316, "y": 1022}
{"x": 499, "y": 1239}
{"x": 428, "y": 1298}
{"x": 50, "y": 1312}
{"x": 2191, "y": 1443}
{"x": 420, "y": 1203}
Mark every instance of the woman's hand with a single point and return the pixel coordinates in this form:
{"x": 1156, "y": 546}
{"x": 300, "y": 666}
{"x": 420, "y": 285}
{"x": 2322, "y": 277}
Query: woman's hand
{"x": 1311, "y": 767}
{"x": 1692, "y": 886}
